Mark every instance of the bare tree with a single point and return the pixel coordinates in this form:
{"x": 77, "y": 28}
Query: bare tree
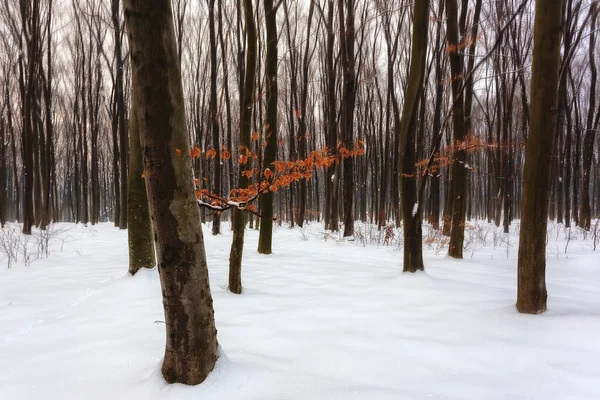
{"x": 411, "y": 210}
{"x": 532, "y": 295}
{"x": 191, "y": 348}
{"x": 239, "y": 217}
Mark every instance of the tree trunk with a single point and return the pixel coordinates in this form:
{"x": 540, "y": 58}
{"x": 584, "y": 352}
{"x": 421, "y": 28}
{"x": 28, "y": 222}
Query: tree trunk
{"x": 585, "y": 214}
{"x": 458, "y": 171}
{"x": 191, "y": 348}
{"x": 532, "y": 295}
{"x": 239, "y": 218}
{"x": 302, "y": 128}
{"x": 139, "y": 225}
{"x": 3, "y": 171}
{"x": 265, "y": 237}
{"x": 411, "y": 209}
{"x": 349, "y": 92}
{"x": 332, "y": 134}
{"x": 122, "y": 129}
{"x": 214, "y": 113}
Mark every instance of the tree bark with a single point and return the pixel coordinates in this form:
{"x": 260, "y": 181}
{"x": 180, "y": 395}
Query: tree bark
{"x": 349, "y": 93}
{"x": 411, "y": 209}
{"x": 3, "y": 170}
{"x": 139, "y": 225}
{"x": 458, "y": 172}
{"x": 191, "y": 347}
{"x": 214, "y": 113}
{"x": 532, "y": 295}
{"x": 585, "y": 214}
{"x": 265, "y": 237}
{"x": 239, "y": 217}
{"x": 120, "y": 98}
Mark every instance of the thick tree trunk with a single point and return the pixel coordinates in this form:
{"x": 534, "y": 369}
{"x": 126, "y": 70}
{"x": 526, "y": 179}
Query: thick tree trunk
{"x": 191, "y": 348}
{"x": 532, "y": 295}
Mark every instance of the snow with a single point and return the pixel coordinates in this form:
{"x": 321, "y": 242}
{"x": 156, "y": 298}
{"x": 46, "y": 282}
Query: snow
{"x": 415, "y": 209}
{"x": 320, "y": 318}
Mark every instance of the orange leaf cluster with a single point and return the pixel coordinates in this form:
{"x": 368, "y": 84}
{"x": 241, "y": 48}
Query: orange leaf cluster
{"x": 225, "y": 154}
{"x": 210, "y": 153}
{"x": 280, "y": 174}
{"x": 195, "y": 152}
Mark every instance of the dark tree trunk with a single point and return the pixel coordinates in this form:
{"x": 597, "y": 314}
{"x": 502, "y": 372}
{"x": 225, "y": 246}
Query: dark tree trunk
{"x": 265, "y": 237}
{"x": 585, "y": 214}
{"x": 214, "y": 113}
{"x": 348, "y": 96}
{"x": 332, "y": 179}
{"x": 532, "y": 295}
{"x": 458, "y": 171}
{"x": 120, "y": 98}
{"x": 411, "y": 210}
{"x": 29, "y": 84}
{"x": 49, "y": 212}
{"x": 191, "y": 348}
{"x": 239, "y": 218}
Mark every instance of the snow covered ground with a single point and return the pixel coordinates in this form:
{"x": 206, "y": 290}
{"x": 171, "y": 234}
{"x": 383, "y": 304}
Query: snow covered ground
{"x": 319, "y": 319}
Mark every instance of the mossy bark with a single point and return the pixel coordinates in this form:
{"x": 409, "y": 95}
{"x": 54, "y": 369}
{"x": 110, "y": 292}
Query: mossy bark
{"x": 191, "y": 336}
{"x": 539, "y": 153}
{"x": 139, "y": 225}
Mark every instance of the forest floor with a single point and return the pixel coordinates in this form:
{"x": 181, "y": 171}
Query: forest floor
{"x": 320, "y": 318}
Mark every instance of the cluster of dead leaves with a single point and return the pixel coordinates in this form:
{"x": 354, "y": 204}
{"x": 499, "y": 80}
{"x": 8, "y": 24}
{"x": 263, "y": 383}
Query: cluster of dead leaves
{"x": 280, "y": 174}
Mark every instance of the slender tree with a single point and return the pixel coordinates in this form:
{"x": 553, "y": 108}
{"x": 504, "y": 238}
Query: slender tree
{"x": 214, "y": 113}
{"x": 411, "y": 209}
{"x": 458, "y": 172}
{"x": 239, "y": 218}
{"x": 347, "y": 44}
{"x": 585, "y": 219}
{"x": 120, "y": 110}
{"x": 265, "y": 237}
